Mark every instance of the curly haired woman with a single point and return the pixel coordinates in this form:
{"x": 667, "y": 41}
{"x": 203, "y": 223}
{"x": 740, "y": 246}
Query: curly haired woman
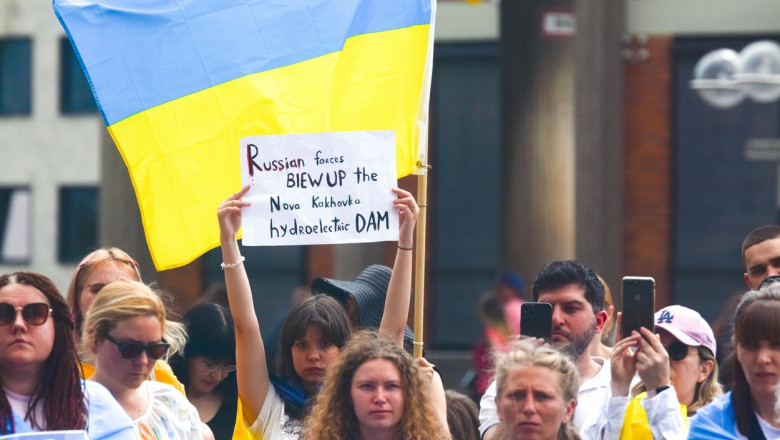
{"x": 377, "y": 391}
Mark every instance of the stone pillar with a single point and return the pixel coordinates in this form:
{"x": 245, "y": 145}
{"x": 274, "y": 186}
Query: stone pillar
{"x": 599, "y": 137}
{"x": 537, "y": 137}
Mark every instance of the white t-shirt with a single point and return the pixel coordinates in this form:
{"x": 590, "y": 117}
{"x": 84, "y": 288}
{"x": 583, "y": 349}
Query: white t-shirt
{"x": 273, "y": 423}
{"x": 19, "y": 406}
{"x": 770, "y": 432}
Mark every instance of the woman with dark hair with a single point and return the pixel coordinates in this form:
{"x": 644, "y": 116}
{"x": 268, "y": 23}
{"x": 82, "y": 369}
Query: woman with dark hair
{"x": 207, "y": 367}
{"x": 96, "y": 270}
{"x": 376, "y": 391}
{"x": 462, "y": 416}
{"x": 312, "y": 336}
{"x": 41, "y": 386}
{"x": 748, "y": 411}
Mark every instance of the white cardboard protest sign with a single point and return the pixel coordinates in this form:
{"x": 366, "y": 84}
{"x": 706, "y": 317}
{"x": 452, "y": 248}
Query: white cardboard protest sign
{"x": 319, "y": 188}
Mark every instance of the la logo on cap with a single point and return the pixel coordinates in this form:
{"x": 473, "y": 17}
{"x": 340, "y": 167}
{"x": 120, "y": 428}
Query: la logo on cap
{"x": 665, "y": 316}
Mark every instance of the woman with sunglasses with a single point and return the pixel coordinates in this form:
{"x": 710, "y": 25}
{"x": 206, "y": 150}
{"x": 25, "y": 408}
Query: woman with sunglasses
{"x": 98, "y": 268}
{"x": 207, "y": 367}
{"x": 678, "y": 376}
{"x": 749, "y": 410}
{"x": 125, "y": 332}
{"x": 39, "y": 374}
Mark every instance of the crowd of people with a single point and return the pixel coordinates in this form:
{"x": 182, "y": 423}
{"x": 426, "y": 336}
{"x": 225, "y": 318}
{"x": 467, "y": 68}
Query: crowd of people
{"x": 107, "y": 359}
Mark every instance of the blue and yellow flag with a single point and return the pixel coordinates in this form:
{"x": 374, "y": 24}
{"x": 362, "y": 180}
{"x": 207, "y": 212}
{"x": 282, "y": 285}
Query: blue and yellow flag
{"x": 180, "y": 82}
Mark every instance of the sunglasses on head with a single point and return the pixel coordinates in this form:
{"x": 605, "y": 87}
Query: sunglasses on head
{"x": 677, "y": 351}
{"x": 33, "y": 313}
{"x": 131, "y": 350}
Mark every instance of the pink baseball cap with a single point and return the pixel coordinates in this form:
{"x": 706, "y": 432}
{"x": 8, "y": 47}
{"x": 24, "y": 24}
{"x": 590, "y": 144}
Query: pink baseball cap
{"x": 686, "y": 325}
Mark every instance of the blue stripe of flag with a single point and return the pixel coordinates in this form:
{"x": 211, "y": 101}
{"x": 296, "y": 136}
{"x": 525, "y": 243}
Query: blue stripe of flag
{"x": 142, "y": 53}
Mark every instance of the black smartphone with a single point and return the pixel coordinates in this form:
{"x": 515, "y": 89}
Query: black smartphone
{"x": 638, "y": 304}
{"x": 536, "y": 320}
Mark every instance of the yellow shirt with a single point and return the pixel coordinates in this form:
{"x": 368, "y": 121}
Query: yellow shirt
{"x": 635, "y": 424}
{"x": 241, "y": 430}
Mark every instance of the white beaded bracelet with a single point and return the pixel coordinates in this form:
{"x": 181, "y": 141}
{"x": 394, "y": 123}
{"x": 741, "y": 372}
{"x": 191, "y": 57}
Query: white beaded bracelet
{"x": 232, "y": 265}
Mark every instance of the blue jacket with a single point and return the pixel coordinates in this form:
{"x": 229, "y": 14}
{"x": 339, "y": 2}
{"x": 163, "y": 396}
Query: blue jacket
{"x": 107, "y": 420}
{"x": 715, "y": 421}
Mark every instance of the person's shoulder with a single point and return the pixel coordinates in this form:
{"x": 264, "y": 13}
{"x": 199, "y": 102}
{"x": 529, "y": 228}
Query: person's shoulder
{"x": 163, "y": 392}
{"x": 604, "y": 375}
{"x": 717, "y": 406}
{"x": 90, "y": 386}
{"x": 96, "y": 392}
{"x": 163, "y": 372}
{"x": 715, "y": 420}
{"x": 165, "y": 397}
{"x": 107, "y": 419}
{"x": 161, "y": 388}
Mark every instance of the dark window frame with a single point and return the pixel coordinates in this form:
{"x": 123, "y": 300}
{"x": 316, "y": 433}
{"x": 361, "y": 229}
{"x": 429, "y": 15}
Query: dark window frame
{"x": 76, "y": 96}
{"x": 77, "y": 221}
{"x": 16, "y": 85}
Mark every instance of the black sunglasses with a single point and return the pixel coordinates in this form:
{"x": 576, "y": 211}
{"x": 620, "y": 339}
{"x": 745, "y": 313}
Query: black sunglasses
{"x": 33, "y": 313}
{"x": 131, "y": 350}
{"x": 677, "y": 351}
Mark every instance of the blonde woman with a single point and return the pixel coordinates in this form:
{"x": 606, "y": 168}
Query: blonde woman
{"x": 678, "y": 375}
{"x": 536, "y": 396}
{"x": 125, "y": 332}
{"x": 374, "y": 391}
{"x": 97, "y": 269}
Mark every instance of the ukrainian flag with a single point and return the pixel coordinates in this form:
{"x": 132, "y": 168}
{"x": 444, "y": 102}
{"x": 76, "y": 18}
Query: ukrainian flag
{"x": 180, "y": 82}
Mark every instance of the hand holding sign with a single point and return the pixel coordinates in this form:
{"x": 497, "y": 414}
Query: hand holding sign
{"x": 319, "y": 188}
{"x": 229, "y": 214}
{"x": 407, "y": 212}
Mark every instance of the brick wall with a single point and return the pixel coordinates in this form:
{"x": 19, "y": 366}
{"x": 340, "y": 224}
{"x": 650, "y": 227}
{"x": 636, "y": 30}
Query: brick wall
{"x": 647, "y": 172}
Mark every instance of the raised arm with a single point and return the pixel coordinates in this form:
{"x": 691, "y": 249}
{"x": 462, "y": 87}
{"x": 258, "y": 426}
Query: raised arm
{"x": 399, "y": 290}
{"x": 251, "y": 368}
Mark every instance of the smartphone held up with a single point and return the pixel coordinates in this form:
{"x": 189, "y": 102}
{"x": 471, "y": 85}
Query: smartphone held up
{"x": 536, "y": 320}
{"x": 638, "y": 304}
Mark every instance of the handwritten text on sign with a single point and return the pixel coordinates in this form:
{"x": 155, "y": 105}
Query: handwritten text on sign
{"x": 319, "y": 188}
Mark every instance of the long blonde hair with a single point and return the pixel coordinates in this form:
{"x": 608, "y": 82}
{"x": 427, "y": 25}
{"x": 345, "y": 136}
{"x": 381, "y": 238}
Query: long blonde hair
{"x": 333, "y": 417}
{"x": 527, "y": 354}
{"x": 122, "y": 300}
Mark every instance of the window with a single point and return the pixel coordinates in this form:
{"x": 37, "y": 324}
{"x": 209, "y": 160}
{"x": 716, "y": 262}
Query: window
{"x": 75, "y": 93}
{"x": 77, "y": 223}
{"x": 15, "y": 74}
{"x": 465, "y": 113}
{"x": 15, "y": 220}
{"x": 718, "y": 193}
